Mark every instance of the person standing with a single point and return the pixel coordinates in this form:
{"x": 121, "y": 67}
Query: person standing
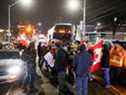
{"x": 105, "y": 65}
{"x": 82, "y": 63}
{"x": 39, "y": 51}
{"x": 29, "y": 56}
{"x": 60, "y": 66}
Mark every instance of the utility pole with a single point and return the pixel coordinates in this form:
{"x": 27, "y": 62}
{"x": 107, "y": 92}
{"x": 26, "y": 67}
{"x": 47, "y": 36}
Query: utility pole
{"x": 84, "y": 18}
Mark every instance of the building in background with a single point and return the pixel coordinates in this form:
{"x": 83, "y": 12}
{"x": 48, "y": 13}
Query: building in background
{"x": 107, "y": 31}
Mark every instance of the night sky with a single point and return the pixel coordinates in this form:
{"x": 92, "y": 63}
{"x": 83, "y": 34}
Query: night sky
{"x": 48, "y": 12}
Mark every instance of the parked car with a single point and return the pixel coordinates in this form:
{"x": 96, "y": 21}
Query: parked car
{"x": 12, "y": 68}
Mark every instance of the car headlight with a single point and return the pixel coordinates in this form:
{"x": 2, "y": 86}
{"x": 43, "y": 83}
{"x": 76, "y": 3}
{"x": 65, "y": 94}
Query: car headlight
{"x": 15, "y": 70}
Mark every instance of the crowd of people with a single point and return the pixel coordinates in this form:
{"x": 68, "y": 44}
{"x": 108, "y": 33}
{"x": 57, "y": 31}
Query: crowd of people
{"x": 67, "y": 67}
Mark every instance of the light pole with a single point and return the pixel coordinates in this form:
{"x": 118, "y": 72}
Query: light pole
{"x": 84, "y": 18}
{"x": 9, "y": 19}
{"x": 74, "y": 5}
{"x": 24, "y": 2}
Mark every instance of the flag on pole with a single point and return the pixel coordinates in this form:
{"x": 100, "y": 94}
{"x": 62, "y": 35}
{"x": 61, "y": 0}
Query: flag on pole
{"x": 97, "y": 54}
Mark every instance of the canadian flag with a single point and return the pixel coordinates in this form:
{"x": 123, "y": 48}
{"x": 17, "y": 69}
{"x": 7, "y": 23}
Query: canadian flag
{"x": 23, "y": 40}
{"x": 97, "y": 54}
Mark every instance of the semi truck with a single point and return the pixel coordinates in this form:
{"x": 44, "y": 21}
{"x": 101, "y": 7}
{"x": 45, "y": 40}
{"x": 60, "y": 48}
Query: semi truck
{"x": 62, "y": 31}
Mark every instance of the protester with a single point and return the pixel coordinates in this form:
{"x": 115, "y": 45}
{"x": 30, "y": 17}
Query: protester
{"x": 82, "y": 63}
{"x": 29, "y": 56}
{"x": 69, "y": 65}
{"x": 39, "y": 51}
{"x": 60, "y": 66}
{"x": 91, "y": 76}
{"x": 44, "y": 50}
{"x": 105, "y": 65}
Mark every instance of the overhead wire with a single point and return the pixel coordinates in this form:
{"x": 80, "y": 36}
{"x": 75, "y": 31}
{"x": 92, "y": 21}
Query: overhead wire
{"x": 109, "y": 11}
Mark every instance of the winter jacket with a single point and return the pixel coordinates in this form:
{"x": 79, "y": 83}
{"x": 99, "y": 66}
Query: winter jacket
{"x": 82, "y": 63}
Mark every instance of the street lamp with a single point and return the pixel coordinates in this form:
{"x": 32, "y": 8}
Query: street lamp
{"x": 74, "y": 5}
{"x": 115, "y": 19}
{"x": 24, "y": 2}
{"x": 98, "y": 24}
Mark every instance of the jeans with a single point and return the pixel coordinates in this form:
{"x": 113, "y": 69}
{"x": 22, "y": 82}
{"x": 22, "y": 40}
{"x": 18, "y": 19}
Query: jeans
{"x": 63, "y": 87}
{"x": 61, "y": 81}
{"x": 82, "y": 85}
{"x": 106, "y": 76}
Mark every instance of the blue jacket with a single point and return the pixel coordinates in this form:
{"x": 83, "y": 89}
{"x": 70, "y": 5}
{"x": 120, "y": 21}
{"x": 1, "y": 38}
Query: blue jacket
{"x": 82, "y": 63}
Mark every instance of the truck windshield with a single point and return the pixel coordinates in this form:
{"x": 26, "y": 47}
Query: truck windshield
{"x": 63, "y": 32}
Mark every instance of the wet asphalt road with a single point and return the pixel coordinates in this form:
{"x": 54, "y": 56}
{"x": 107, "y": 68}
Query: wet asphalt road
{"x": 44, "y": 87}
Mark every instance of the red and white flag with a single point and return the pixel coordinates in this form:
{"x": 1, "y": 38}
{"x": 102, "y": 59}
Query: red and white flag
{"x": 97, "y": 54}
{"x": 23, "y": 40}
